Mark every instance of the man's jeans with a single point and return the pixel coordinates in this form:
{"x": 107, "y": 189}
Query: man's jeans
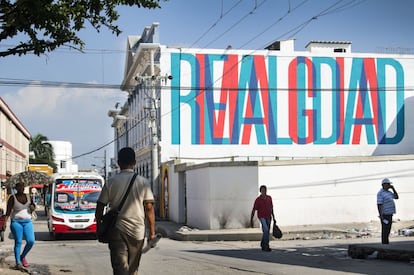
{"x": 266, "y": 233}
{"x": 125, "y": 253}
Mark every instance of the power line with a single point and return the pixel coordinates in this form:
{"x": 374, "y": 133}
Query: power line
{"x": 236, "y": 23}
{"x": 112, "y": 141}
{"x": 217, "y": 21}
{"x": 66, "y": 49}
{"x": 329, "y": 10}
{"x": 56, "y": 84}
{"x": 289, "y": 11}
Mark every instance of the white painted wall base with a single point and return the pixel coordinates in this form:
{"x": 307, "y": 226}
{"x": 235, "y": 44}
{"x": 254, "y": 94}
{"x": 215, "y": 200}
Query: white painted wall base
{"x": 314, "y": 191}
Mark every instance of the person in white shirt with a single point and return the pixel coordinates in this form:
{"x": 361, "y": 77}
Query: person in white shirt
{"x": 386, "y": 208}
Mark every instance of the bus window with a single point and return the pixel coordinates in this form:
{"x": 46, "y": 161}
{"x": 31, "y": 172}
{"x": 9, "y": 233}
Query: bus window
{"x": 77, "y": 195}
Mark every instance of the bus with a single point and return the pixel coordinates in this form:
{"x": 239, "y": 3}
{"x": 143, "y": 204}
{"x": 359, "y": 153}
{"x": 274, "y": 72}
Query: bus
{"x": 71, "y": 200}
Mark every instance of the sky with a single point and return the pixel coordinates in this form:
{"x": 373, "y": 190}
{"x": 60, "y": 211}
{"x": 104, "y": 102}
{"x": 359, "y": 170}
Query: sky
{"x": 79, "y": 115}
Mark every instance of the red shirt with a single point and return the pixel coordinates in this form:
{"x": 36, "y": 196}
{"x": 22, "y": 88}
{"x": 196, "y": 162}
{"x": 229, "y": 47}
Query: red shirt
{"x": 263, "y": 206}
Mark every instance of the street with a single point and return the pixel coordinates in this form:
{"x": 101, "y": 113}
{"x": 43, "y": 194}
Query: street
{"x": 84, "y": 255}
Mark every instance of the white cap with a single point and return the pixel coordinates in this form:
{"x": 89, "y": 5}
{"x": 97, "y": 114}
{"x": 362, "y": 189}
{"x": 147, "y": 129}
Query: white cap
{"x": 386, "y": 181}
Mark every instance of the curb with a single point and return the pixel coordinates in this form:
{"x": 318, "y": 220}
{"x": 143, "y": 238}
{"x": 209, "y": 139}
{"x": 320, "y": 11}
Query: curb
{"x": 253, "y": 235}
{"x": 224, "y": 236}
{"x": 396, "y": 252}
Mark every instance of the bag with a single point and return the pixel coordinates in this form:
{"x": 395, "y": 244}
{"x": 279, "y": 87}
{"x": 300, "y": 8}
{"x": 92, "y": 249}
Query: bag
{"x": 34, "y": 216}
{"x": 109, "y": 219}
{"x": 106, "y": 225}
{"x": 277, "y": 233}
{"x": 32, "y": 211}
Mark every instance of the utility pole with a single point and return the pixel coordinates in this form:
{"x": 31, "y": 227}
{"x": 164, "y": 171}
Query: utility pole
{"x": 1, "y": 166}
{"x": 151, "y": 86}
{"x": 104, "y": 167}
{"x": 154, "y": 132}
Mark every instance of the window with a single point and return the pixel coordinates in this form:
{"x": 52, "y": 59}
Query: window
{"x": 339, "y": 50}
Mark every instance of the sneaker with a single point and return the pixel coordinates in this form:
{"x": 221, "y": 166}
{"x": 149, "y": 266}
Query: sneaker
{"x": 24, "y": 262}
{"x": 267, "y": 249}
{"x": 20, "y": 267}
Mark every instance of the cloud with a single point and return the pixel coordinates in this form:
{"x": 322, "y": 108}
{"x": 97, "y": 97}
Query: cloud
{"x": 32, "y": 101}
{"x": 68, "y": 114}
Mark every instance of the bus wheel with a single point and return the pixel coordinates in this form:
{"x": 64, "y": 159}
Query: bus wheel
{"x": 52, "y": 235}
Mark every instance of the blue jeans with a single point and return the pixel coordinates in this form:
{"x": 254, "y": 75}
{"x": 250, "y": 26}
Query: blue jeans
{"x": 266, "y": 232}
{"x": 20, "y": 229}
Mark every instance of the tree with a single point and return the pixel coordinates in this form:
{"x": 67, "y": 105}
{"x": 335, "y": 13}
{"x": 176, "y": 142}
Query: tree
{"x": 49, "y": 24}
{"x": 43, "y": 151}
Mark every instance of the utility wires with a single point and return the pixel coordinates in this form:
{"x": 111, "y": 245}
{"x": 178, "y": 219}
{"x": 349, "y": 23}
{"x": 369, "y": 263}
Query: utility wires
{"x": 216, "y": 22}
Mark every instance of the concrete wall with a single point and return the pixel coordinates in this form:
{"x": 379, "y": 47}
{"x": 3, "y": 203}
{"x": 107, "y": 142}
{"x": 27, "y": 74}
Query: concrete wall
{"x": 338, "y": 192}
{"x": 320, "y": 191}
{"x": 220, "y": 197}
{"x": 176, "y": 198}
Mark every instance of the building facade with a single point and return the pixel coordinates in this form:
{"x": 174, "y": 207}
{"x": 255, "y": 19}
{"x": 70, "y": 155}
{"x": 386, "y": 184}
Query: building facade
{"x": 14, "y": 144}
{"x": 190, "y": 105}
{"x": 137, "y": 123}
{"x": 63, "y": 156}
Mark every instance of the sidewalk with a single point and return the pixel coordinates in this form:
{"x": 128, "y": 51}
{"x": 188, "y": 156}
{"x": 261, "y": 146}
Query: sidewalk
{"x": 304, "y": 232}
{"x": 398, "y": 250}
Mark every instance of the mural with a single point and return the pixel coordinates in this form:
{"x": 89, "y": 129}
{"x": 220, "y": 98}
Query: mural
{"x": 242, "y": 99}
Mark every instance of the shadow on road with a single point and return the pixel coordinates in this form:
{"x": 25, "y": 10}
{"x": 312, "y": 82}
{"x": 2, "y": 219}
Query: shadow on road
{"x": 46, "y": 236}
{"x": 333, "y": 258}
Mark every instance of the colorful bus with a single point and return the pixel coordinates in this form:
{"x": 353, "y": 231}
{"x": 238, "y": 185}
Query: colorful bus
{"x": 72, "y": 202}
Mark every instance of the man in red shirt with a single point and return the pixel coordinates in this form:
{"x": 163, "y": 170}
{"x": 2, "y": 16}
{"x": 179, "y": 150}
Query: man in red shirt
{"x": 264, "y": 206}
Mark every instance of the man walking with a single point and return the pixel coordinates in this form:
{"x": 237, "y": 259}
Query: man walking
{"x": 127, "y": 238}
{"x": 264, "y": 207}
{"x": 386, "y": 208}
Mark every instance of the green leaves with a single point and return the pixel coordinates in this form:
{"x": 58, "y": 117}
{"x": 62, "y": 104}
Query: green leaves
{"x": 46, "y": 24}
{"x": 42, "y": 150}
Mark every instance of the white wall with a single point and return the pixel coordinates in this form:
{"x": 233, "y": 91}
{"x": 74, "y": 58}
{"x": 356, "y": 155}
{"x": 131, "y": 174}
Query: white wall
{"x": 174, "y": 197}
{"x": 336, "y": 192}
{"x": 220, "y": 197}
{"x": 198, "y": 198}
{"x": 63, "y": 154}
{"x": 231, "y": 196}
{"x": 322, "y": 191}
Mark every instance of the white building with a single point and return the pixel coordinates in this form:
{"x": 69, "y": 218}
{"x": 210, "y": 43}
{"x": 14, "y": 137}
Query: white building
{"x": 266, "y": 111}
{"x": 14, "y": 146}
{"x": 63, "y": 156}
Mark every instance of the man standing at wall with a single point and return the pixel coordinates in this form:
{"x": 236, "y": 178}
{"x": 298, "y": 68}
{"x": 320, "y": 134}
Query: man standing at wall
{"x": 264, "y": 206}
{"x": 386, "y": 208}
{"x": 127, "y": 238}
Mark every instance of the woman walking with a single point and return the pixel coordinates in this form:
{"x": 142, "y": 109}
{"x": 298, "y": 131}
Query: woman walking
{"x": 19, "y": 208}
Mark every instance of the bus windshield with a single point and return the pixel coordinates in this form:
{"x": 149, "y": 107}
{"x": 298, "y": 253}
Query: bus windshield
{"x": 76, "y": 195}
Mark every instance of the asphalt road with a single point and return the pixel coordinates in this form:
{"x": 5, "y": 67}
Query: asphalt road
{"x": 84, "y": 255}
